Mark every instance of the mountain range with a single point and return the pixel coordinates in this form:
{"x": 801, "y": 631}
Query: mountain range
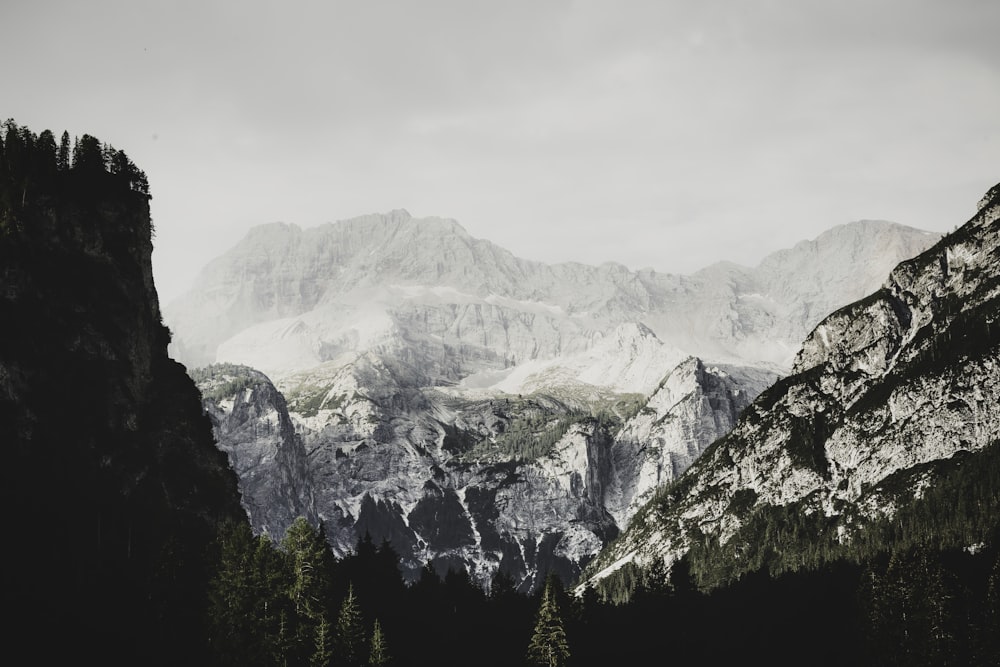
{"x": 398, "y": 377}
{"x": 731, "y": 509}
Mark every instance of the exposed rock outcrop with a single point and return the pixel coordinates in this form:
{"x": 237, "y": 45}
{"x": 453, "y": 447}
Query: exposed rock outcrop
{"x": 881, "y": 391}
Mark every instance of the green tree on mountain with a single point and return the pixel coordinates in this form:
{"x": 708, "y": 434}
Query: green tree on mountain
{"x": 349, "y": 633}
{"x": 311, "y": 562}
{"x": 549, "y": 646}
{"x": 232, "y": 596}
{"x": 248, "y": 597}
{"x": 323, "y": 655}
{"x": 311, "y": 576}
{"x": 378, "y": 655}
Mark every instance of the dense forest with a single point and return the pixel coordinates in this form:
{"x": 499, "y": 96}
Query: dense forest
{"x": 293, "y": 603}
{"x": 126, "y": 543}
{"x": 34, "y": 167}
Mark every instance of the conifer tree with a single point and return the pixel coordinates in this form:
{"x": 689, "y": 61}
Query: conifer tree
{"x": 888, "y": 597}
{"x": 282, "y": 646}
{"x": 311, "y": 565}
{"x": 349, "y": 633}
{"x": 311, "y": 573}
{"x": 88, "y": 156}
{"x": 549, "y": 646}
{"x": 247, "y": 596}
{"x": 273, "y": 604}
{"x": 231, "y": 595}
{"x": 44, "y": 160}
{"x": 323, "y": 655}
{"x": 62, "y": 158}
{"x": 378, "y": 656}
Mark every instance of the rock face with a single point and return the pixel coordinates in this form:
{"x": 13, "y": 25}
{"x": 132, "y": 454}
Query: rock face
{"x": 112, "y": 485}
{"x": 422, "y": 470}
{"x": 479, "y": 410}
{"x": 251, "y": 424}
{"x": 881, "y": 391}
{"x": 692, "y": 407}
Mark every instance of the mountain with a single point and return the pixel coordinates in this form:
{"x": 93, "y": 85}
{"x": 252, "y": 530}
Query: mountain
{"x": 694, "y": 405}
{"x": 383, "y": 374}
{"x": 286, "y": 299}
{"x": 112, "y": 485}
{"x": 251, "y": 424}
{"x": 885, "y": 434}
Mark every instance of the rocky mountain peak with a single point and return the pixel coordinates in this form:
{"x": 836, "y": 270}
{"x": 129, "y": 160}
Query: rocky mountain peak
{"x": 883, "y": 391}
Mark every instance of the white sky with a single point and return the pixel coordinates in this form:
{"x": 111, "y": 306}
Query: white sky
{"x": 663, "y": 133}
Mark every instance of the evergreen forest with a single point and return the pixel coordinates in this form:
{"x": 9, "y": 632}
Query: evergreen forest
{"x": 293, "y": 603}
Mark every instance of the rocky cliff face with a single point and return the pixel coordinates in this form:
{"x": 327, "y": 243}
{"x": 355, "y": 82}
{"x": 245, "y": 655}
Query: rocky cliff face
{"x": 693, "y": 406}
{"x": 880, "y": 392}
{"x": 113, "y": 485}
{"x": 252, "y": 426}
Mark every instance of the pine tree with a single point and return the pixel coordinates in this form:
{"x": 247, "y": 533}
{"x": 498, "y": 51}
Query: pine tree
{"x": 549, "y": 646}
{"x": 502, "y": 586}
{"x": 247, "y": 596}
{"x": 62, "y": 158}
{"x": 88, "y": 156}
{"x": 311, "y": 574}
{"x": 311, "y": 567}
{"x": 44, "y": 160}
{"x": 323, "y": 655}
{"x": 231, "y": 595}
{"x": 378, "y": 656}
{"x": 273, "y": 604}
{"x": 349, "y": 633}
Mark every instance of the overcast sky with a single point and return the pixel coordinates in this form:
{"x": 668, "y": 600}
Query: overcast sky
{"x": 661, "y": 134}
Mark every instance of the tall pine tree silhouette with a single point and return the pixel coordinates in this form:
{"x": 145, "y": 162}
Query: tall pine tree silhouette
{"x": 549, "y": 646}
{"x": 378, "y": 655}
{"x": 349, "y": 633}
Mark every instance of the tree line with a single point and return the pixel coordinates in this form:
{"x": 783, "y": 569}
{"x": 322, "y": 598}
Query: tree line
{"x": 37, "y": 166}
{"x": 293, "y": 603}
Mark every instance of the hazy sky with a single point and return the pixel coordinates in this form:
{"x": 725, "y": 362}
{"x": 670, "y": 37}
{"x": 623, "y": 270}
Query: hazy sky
{"x": 661, "y": 134}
